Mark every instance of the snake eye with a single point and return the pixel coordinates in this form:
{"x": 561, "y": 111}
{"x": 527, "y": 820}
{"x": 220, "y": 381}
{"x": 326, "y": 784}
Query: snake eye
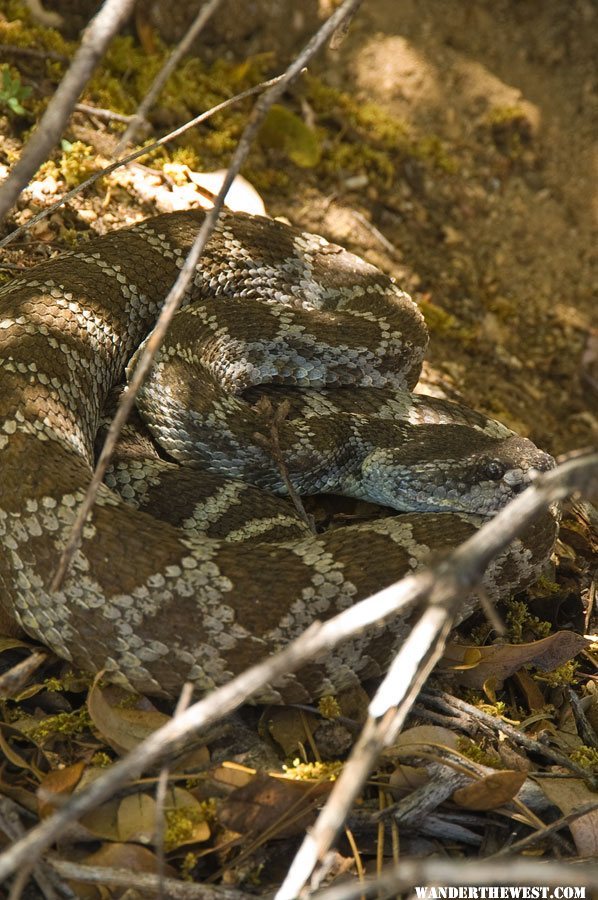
{"x": 493, "y": 470}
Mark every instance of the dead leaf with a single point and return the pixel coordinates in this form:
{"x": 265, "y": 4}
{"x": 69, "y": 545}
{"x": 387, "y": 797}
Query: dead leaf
{"x": 233, "y": 774}
{"x": 103, "y": 821}
{"x": 132, "y": 857}
{"x": 185, "y": 819}
{"x": 529, "y": 687}
{"x": 407, "y": 778}
{"x": 22, "y": 751}
{"x": 136, "y": 818}
{"x": 266, "y": 803}
{"x": 241, "y": 196}
{"x": 122, "y": 727}
{"x": 422, "y": 735}
{"x": 56, "y": 786}
{"x": 501, "y": 660}
{"x": 288, "y": 728}
{"x": 569, "y": 794}
{"x": 491, "y": 791}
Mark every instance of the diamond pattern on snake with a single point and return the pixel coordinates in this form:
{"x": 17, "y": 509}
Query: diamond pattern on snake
{"x": 194, "y": 564}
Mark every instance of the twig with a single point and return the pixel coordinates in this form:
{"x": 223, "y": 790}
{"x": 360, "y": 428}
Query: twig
{"x": 390, "y": 248}
{"x": 94, "y": 41}
{"x": 547, "y": 831}
{"x": 46, "y": 880}
{"x": 411, "y": 872}
{"x": 271, "y": 443}
{"x": 108, "y": 114}
{"x": 11, "y": 50}
{"x": 397, "y": 693}
{"x": 145, "y": 883}
{"x": 585, "y": 729}
{"x": 449, "y": 704}
{"x": 144, "y": 151}
{"x": 12, "y": 681}
{"x": 415, "y": 660}
{"x": 161, "y": 788}
{"x": 579, "y": 474}
{"x": 177, "y": 291}
{"x": 166, "y": 71}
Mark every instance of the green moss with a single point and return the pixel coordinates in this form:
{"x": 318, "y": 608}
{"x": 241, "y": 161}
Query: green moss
{"x": 586, "y": 756}
{"x": 76, "y": 163}
{"x": 328, "y": 707}
{"x": 181, "y": 823}
{"x": 519, "y": 619}
{"x": 369, "y": 138}
{"x": 565, "y": 674}
{"x": 477, "y": 753}
{"x": 316, "y": 771}
{"x": 20, "y": 29}
{"x": 66, "y": 724}
{"x": 101, "y": 760}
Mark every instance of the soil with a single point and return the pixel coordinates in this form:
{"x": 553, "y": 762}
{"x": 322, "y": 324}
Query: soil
{"x": 506, "y": 244}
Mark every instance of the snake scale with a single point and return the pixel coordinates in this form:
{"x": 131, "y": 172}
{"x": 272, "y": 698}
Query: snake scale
{"x": 187, "y": 576}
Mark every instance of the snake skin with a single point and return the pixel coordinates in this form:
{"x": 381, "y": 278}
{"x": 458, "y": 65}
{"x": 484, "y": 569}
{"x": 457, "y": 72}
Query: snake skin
{"x": 185, "y": 578}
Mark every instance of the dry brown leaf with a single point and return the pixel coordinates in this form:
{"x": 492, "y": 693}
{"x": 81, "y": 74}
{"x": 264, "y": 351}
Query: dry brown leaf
{"x": 421, "y": 735}
{"x": 287, "y": 727}
{"x": 132, "y": 857}
{"x": 136, "y": 818}
{"x": 127, "y": 856}
{"x": 185, "y": 818}
{"x": 103, "y": 821}
{"x": 407, "y": 778}
{"x": 491, "y": 791}
{"x": 530, "y": 689}
{"x": 122, "y": 727}
{"x": 501, "y": 660}
{"x": 569, "y": 794}
{"x": 56, "y": 786}
{"x": 22, "y": 751}
{"x": 233, "y": 774}
{"x": 287, "y": 807}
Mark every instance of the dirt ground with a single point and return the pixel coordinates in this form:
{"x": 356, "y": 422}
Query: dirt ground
{"x": 506, "y": 243}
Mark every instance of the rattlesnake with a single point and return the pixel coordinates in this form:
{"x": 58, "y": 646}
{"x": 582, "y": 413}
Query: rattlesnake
{"x": 150, "y": 599}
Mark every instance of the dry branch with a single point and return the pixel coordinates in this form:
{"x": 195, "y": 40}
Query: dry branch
{"x": 148, "y": 884}
{"x": 94, "y": 41}
{"x": 410, "y": 873}
{"x": 417, "y": 657}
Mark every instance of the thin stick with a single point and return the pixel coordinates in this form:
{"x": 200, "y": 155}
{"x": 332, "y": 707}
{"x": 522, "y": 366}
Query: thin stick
{"x": 108, "y": 114}
{"x": 388, "y": 709}
{"x": 417, "y": 657}
{"x": 578, "y": 475}
{"x": 145, "y": 883}
{"x": 144, "y": 151}
{"x": 94, "y": 41}
{"x": 177, "y": 292}
{"x": 449, "y": 704}
{"x": 546, "y": 831}
{"x": 12, "y": 50}
{"x": 414, "y": 872}
{"x": 161, "y": 787}
{"x": 166, "y": 71}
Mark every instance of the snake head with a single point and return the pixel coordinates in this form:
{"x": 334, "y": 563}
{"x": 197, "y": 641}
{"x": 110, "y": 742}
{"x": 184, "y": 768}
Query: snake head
{"x": 452, "y": 469}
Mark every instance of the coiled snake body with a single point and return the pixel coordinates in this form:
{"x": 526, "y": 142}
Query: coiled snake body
{"x": 212, "y": 579}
